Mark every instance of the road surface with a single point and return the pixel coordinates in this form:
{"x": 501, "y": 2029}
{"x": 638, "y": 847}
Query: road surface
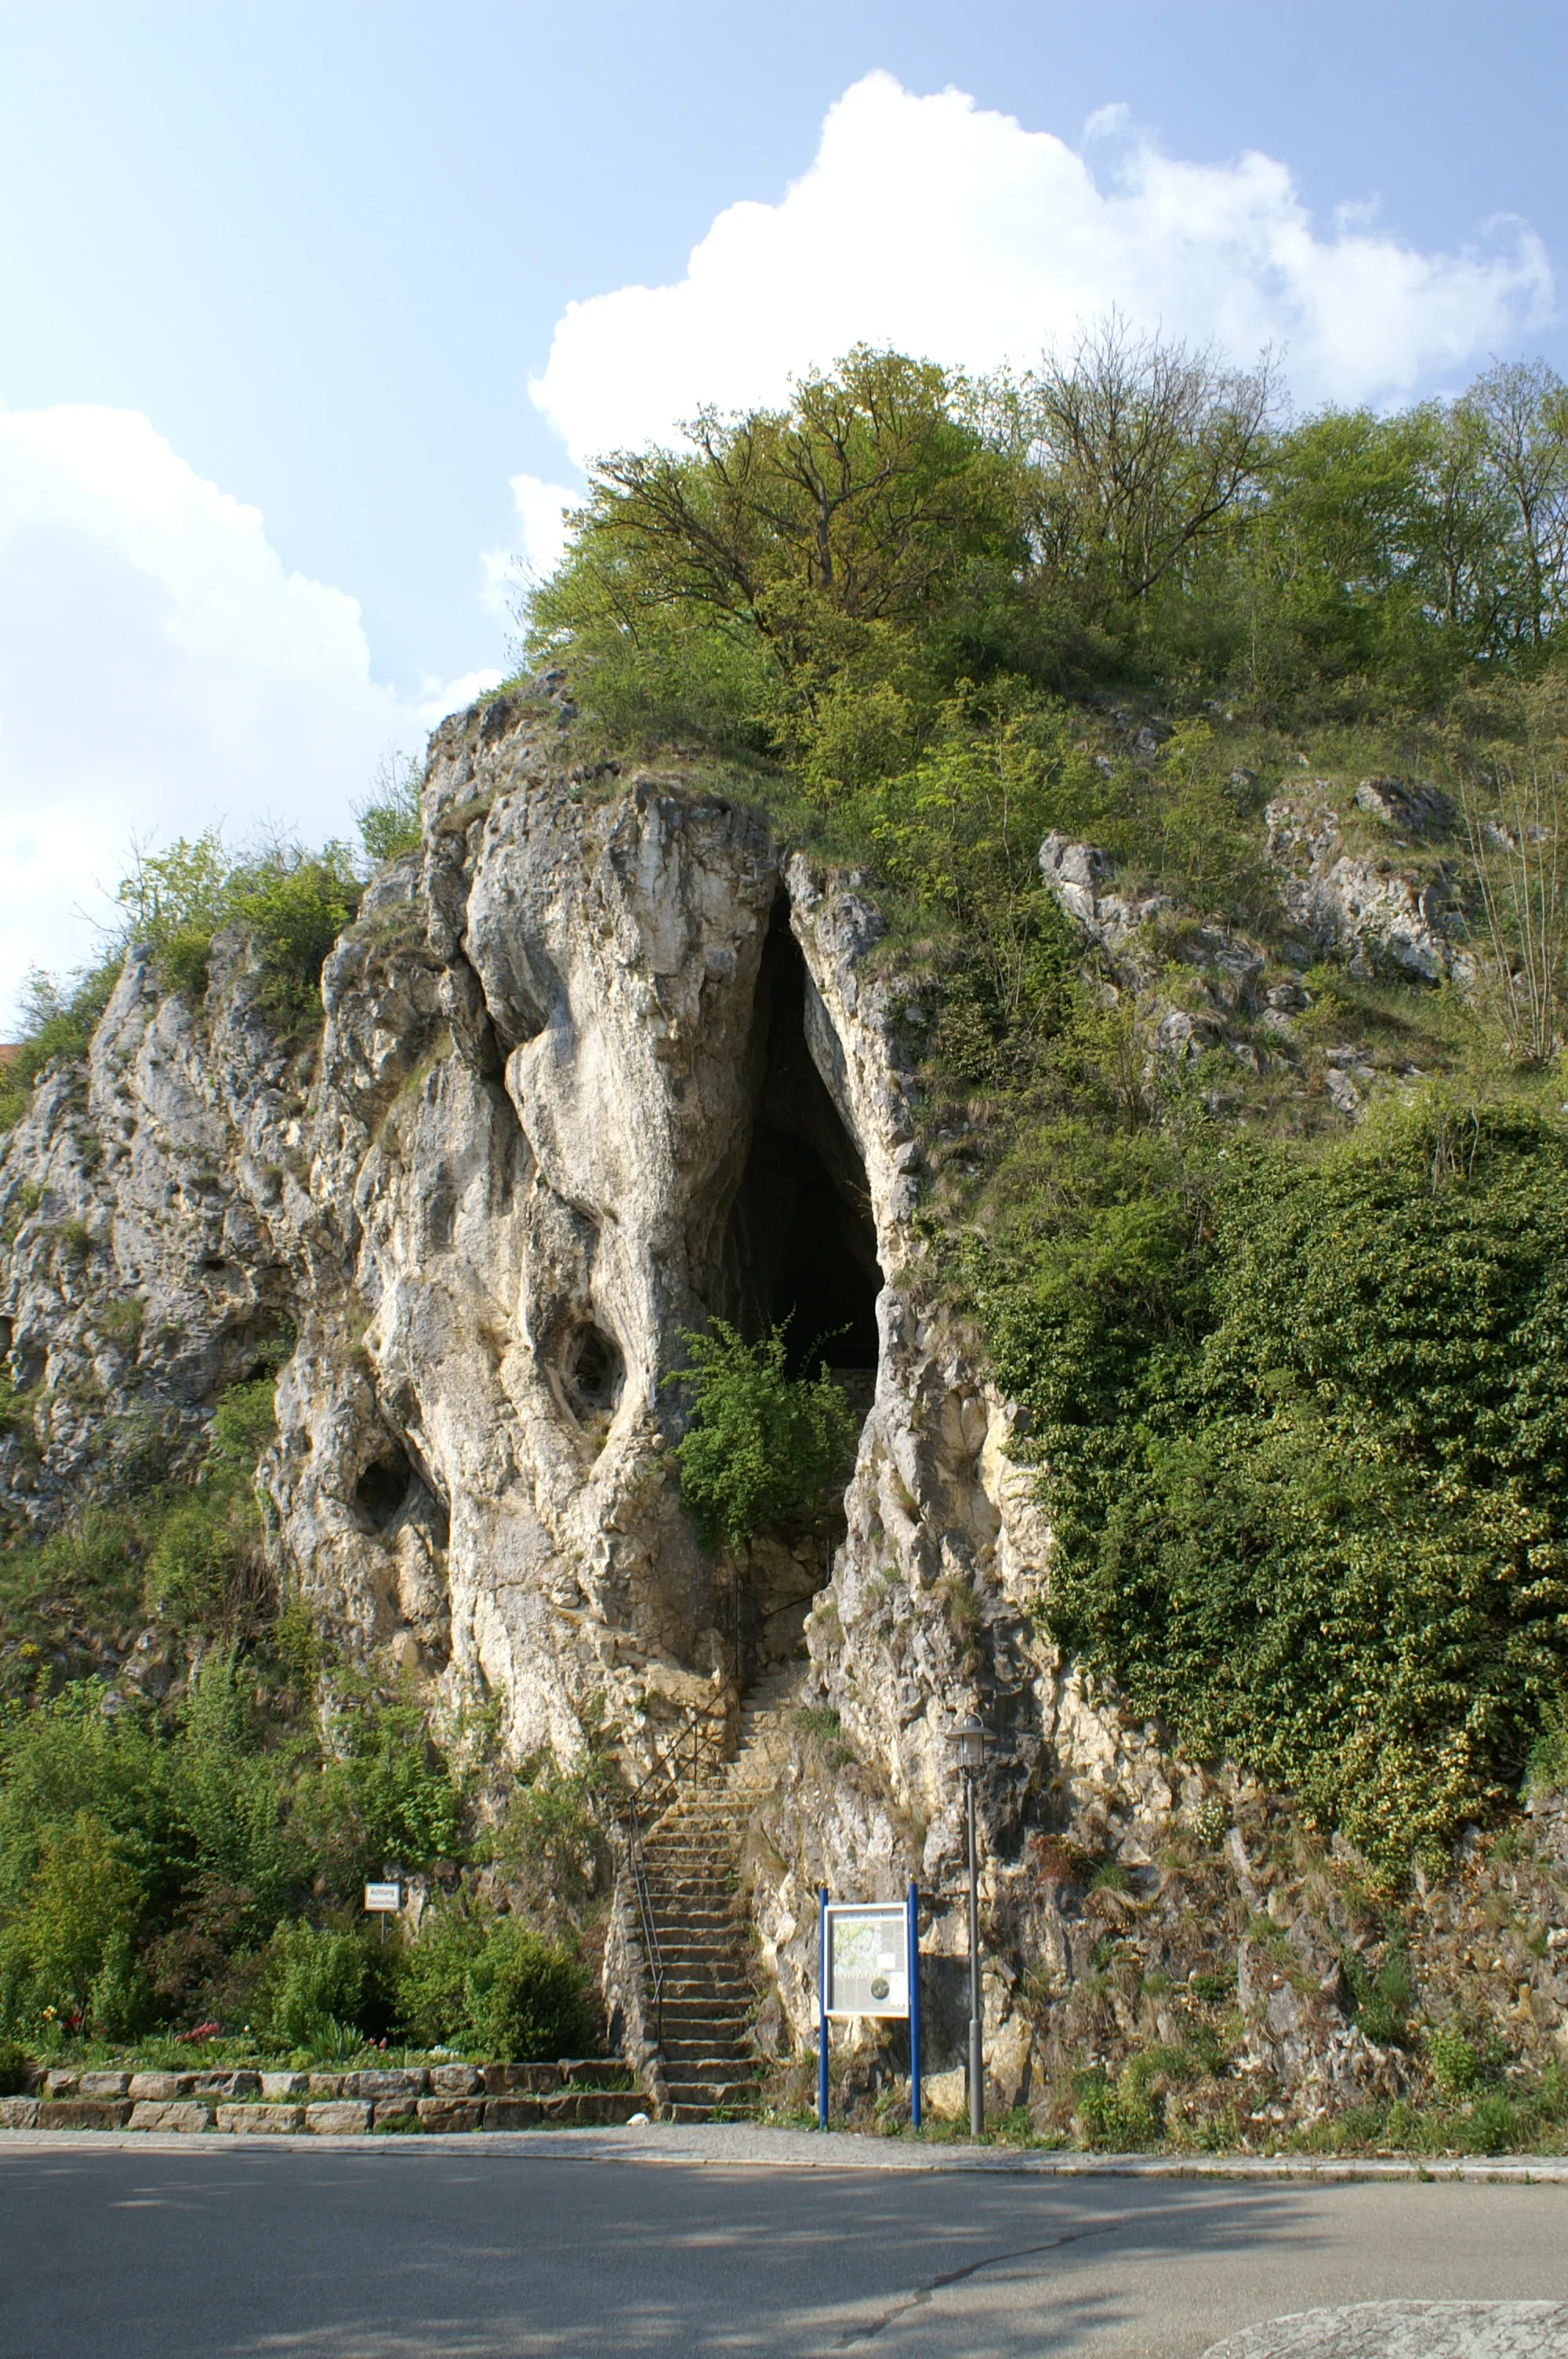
{"x": 408, "y": 2251}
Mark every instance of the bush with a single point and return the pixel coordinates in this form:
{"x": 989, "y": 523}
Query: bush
{"x": 1455, "y": 2066}
{"x": 67, "y": 1952}
{"x": 762, "y": 1448}
{"x": 316, "y": 1980}
{"x": 432, "y": 1979}
{"x": 496, "y": 1989}
{"x": 16, "y": 2069}
{"x": 385, "y": 1793}
{"x": 1124, "y": 2115}
{"x": 291, "y": 904}
{"x": 524, "y": 1997}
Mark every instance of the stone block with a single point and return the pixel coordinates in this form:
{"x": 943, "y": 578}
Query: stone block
{"x": 276, "y": 2087}
{"x": 451, "y": 2113}
{"x": 225, "y": 2084}
{"x": 454, "y": 2080}
{"x": 382, "y": 2084}
{"x": 326, "y": 2084}
{"x": 345, "y": 2118}
{"x": 18, "y": 2113}
{"x": 84, "y": 2113}
{"x": 387, "y": 2110}
{"x": 159, "y": 2087}
{"x": 185, "y": 2118}
{"x": 595, "y": 2073}
{"x": 514, "y": 2112}
{"x": 522, "y": 2079}
{"x": 102, "y": 2084}
{"x": 59, "y": 2082}
{"x": 596, "y": 2105}
{"x": 257, "y": 2121}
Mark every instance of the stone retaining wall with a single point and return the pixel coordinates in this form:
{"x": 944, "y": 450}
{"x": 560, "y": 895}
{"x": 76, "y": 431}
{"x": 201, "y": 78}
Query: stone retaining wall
{"x": 332, "y": 2105}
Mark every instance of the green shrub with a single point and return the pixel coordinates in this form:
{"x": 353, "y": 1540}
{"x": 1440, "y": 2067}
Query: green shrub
{"x": 524, "y": 1997}
{"x": 551, "y": 1846}
{"x": 1493, "y": 2126}
{"x": 67, "y": 1949}
{"x": 762, "y": 1448}
{"x": 1455, "y": 2066}
{"x": 316, "y": 1980}
{"x": 1125, "y": 2115}
{"x": 195, "y": 1559}
{"x": 493, "y": 1988}
{"x": 294, "y": 905}
{"x": 432, "y": 1978}
{"x": 383, "y": 1793}
{"x": 291, "y": 904}
{"x": 15, "y": 2068}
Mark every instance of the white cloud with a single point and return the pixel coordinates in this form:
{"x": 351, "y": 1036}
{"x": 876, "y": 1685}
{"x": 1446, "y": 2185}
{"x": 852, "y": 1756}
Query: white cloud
{"x": 161, "y": 670}
{"x": 541, "y": 509}
{"x": 947, "y": 230}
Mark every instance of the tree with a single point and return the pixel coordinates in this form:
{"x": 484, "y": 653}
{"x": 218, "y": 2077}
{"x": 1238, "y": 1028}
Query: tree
{"x": 807, "y": 542}
{"x": 1139, "y": 449}
{"x": 1519, "y": 412}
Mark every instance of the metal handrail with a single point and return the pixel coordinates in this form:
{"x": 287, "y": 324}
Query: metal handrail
{"x": 651, "y": 1951}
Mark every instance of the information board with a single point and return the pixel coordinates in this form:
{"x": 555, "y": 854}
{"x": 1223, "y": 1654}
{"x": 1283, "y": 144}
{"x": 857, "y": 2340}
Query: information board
{"x": 384, "y": 1899}
{"x": 866, "y": 1959}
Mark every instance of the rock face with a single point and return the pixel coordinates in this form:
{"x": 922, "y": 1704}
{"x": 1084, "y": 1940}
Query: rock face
{"x": 1376, "y": 914}
{"x": 595, "y": 1067}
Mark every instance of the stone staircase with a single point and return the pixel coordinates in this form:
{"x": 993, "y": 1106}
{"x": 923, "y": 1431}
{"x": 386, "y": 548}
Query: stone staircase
{"x": 692, "y": 1854}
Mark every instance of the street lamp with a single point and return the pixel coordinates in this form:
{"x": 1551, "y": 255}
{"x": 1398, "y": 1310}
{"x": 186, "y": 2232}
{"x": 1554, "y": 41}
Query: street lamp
{"x": 970, "y": 1746}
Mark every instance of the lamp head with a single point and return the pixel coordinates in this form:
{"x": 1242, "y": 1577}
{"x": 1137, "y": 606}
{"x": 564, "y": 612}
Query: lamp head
{"x": 969, "y": 1741}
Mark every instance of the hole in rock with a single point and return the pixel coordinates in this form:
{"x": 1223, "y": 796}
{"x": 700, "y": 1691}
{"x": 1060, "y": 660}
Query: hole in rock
{"x": 382, "y": 1487}
{"x": 592, "y": 1371}
{"x": 801, "y": 1245}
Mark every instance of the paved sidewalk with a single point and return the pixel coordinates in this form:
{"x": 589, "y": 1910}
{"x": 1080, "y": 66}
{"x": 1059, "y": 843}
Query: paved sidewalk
{"x": 742, "y": 2145}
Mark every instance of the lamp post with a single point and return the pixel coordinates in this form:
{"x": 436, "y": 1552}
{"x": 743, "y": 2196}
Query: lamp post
{"x": 969, "y": 1742}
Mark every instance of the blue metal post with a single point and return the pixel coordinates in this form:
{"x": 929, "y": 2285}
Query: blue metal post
{"x": 913, "y": 1948}
{"x": 822, "y": 2010}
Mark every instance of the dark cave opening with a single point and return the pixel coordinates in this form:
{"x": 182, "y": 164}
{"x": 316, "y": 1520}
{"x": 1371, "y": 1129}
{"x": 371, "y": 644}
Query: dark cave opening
{"x": 800, "y": 1250}
{"x": 382, "y": 1487}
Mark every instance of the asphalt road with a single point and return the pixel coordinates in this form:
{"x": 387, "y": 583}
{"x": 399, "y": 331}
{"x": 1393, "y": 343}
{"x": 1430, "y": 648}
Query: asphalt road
{"x": 405, "y": 2251}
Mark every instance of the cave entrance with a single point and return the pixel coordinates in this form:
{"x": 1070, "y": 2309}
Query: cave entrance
{"x": 800, "y": 1250}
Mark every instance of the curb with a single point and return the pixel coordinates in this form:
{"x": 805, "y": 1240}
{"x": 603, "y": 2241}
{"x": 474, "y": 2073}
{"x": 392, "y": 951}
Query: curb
{"x": 723, "y": 2148}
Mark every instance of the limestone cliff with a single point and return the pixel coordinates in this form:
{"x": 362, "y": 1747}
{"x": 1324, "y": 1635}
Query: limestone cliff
{"x": 597, "y": 1063}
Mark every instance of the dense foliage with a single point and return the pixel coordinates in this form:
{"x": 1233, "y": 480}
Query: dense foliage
{"x": 200, "y": 1862}
{"x": 1308, "y": 1455}
{"x": 763, "y": 1449}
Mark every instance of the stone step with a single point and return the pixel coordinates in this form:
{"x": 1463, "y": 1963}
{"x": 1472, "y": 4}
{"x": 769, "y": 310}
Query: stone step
{"x": 718, "y": 1971}
{"x": 695, "y": 2101}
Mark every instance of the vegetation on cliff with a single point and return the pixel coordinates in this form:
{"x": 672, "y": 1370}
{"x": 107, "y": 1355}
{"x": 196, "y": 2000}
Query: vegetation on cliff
{"x": 188, "y": 1849}
{"x": 1294, "y": 1384}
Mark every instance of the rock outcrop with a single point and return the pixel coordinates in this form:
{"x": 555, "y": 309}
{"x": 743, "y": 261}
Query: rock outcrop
{"x": 1373, "y": 913}
{"x": 597, "y": 1066}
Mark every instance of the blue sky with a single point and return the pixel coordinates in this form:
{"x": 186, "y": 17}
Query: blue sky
{"x": 285, "y": 290}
